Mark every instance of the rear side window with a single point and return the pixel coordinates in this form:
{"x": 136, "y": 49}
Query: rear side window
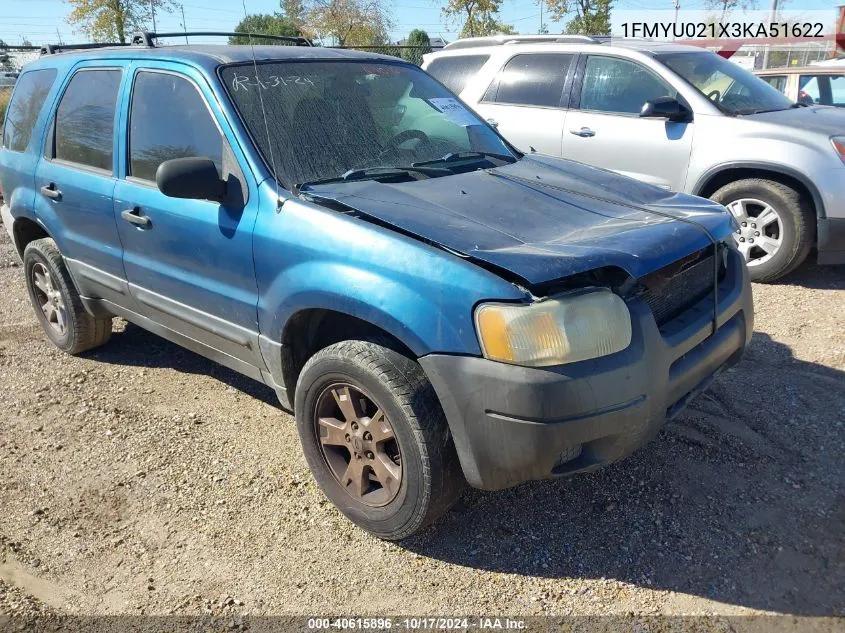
{"x": 27, "y": 100}
{"x": 455, "y": 72}
{"x": 85, "y": 119}
{"x": 532, "y": 79}
{"x": 778, "y": 82}
{"x": 169, "y": 119}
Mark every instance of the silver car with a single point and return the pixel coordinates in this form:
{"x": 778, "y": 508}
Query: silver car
{"x": 678, "y": 117}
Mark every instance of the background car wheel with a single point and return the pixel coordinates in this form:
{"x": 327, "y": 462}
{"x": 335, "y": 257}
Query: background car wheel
{"x": 777, "y": 226}
{"x": 56, "y": 302}
{"x": 376, "y": 439}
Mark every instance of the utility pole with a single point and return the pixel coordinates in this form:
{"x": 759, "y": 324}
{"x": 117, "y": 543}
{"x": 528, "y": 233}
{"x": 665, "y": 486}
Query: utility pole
{"x": 153, "y": 13}
{"x": 184, "y": 27}
{"x": 772, "y": 18}
{"x": 677, "y": 4}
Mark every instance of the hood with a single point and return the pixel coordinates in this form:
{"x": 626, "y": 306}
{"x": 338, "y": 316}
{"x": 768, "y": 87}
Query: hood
{"x": 543, "y": 219}
{"x": 822, "y": 119}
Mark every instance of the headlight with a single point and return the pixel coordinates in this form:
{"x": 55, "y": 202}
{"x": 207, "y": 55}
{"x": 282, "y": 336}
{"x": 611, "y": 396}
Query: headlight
{"x": 839, "y": 146}
{"x": 575, "y": 327}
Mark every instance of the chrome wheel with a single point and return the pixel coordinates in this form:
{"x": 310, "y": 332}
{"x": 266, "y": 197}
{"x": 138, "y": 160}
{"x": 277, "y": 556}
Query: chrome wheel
{"x": 760, "y": 232}
{"x": 358, "y": 444}
{"x": 49, "y": 299}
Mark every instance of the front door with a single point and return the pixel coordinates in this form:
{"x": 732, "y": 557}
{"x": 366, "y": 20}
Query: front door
{"x": 605, "y": 129}
{"x": 188, "y": 262}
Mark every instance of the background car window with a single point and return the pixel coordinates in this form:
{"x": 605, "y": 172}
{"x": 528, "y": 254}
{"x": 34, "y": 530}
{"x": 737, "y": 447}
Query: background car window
{"x": 535, "y": 80}
{"x": 169, "y": 119}
{"x": 822, "y": 89}
{"x": 777, "y": 82}
{"x": 454, "y": 72}
{"x": 619, "y": 85}
{"x": 27, "y": 100}
{"x": 85, "y": 119}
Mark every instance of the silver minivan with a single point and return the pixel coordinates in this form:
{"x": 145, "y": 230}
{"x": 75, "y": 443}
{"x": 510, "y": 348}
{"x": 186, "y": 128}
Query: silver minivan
{"x": 678, "y": 117}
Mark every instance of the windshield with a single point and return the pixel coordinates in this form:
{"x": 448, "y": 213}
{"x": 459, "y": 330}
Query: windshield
{"x": 732, "y": 88}
{"x": 328, "y": 118}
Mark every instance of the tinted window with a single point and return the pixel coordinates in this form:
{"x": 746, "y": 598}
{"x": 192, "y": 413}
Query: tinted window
{"x": 532, "y": 80}
{"x": 27, "y": 100}
{"x": 454, "y": 72}
{"x": 778, "y": 82}
{"x": 169, "y": 119}
{"x": 85, "y": 119}
{"x": 621, "y": 86}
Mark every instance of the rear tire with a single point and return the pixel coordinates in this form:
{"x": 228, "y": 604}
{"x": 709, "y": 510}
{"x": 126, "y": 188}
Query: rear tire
{"x": 56, "y": 301}
{"x": 422, "y": 478}
{"x": 782, "y": 238}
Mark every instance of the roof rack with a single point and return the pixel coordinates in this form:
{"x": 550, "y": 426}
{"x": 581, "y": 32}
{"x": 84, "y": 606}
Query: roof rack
{"x": 147, "y": 38}
{"x": 501, "y": 40}
{"x": 52, "y": 49}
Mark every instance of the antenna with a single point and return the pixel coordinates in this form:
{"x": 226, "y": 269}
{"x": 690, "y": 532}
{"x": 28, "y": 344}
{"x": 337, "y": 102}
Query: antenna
{"x": 264, "y": 114}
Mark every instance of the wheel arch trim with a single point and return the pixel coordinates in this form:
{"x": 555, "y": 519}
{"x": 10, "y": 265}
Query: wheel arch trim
{"x": 774, "y": 168}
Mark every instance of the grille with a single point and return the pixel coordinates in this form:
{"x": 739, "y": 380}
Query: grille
{"x": 677, "y": 287}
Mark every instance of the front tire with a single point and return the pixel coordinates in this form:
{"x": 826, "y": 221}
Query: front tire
{"x": 376, "y": 439}
{"x": 777, "y": 226}
{"x": 56, "y": 301}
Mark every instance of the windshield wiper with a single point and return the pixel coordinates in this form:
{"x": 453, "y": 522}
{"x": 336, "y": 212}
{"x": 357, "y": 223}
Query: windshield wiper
{"x": 798, "y": 104}
{"x": 760, "y": 111}
{"x": 368, "y": 173}
{"x": 455, "y": 156}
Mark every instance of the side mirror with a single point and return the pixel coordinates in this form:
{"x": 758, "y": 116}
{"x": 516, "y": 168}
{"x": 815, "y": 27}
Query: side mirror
{"x": 194, "y": 178}
{"x": 665, "y": 108}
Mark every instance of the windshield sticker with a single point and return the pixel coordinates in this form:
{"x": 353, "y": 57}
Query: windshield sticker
{"x": 244, "y": 82}
{"x": 454, "y": 110}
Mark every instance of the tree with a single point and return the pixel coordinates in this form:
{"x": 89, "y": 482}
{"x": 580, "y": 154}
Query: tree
{"x": 110, "y": 20}
{"x": 480, "y": 17}
{"x": 294, "y": 10}
{"x": 5, "y": 58}
{"x": 269, "y": 24}
{"x": 592, "y": 17}
{"x": 420, "y": 39}
{"x": 726, "y": 6}
{"x": 348, "y": 22}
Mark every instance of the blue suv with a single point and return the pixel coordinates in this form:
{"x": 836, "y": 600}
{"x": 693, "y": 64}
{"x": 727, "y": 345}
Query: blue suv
{"x": 435, "y": 307}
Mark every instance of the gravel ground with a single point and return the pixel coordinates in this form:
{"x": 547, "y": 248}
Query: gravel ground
{"x": 143, "y": 479}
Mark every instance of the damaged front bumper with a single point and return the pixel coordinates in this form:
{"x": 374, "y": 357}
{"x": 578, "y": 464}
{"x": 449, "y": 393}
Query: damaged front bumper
{"x": 513, "y": 424}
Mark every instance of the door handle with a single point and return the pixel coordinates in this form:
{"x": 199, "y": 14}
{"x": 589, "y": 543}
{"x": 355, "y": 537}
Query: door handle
{"x": 50, "y": 191}
{"x": 584, "y": 132}
{"x": 493, "y": 122}
{"x": 133, "y": 216}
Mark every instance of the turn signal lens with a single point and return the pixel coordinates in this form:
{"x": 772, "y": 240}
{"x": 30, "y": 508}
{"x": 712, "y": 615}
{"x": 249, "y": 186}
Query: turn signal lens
{"x": 839, "y": 146}
{"x": 567, "y": 329}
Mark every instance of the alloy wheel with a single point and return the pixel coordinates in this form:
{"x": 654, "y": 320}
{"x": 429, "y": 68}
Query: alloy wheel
{"x": 760, "y": 232}
{"x": 49, "y": 299}
{"x": 358, "y": 444}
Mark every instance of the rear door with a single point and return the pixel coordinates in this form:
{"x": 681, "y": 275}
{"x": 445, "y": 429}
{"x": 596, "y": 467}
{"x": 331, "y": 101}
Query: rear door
{"x": 74, "y": 181}
{"x": 822, "y": 89}
{"x": 188, "y": 262}
{"x": 603, "y": 128}
{"x": 527, "y": 100}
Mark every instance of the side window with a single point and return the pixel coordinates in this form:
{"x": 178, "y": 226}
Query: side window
{"x": 84, "y": 125}
{"x": 808, "y": 89}
{"x": 617, "y": 85}
{"x": 169, "y": 119}
{"x": 532, "y": 79}
{"x": 27, "y": 100}
{"x": 455, "y": 72}
{"x": 778, "y": 82}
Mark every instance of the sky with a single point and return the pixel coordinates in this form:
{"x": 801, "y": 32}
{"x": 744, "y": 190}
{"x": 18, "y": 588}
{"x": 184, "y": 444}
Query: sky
{"x": 43, "y": 21}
